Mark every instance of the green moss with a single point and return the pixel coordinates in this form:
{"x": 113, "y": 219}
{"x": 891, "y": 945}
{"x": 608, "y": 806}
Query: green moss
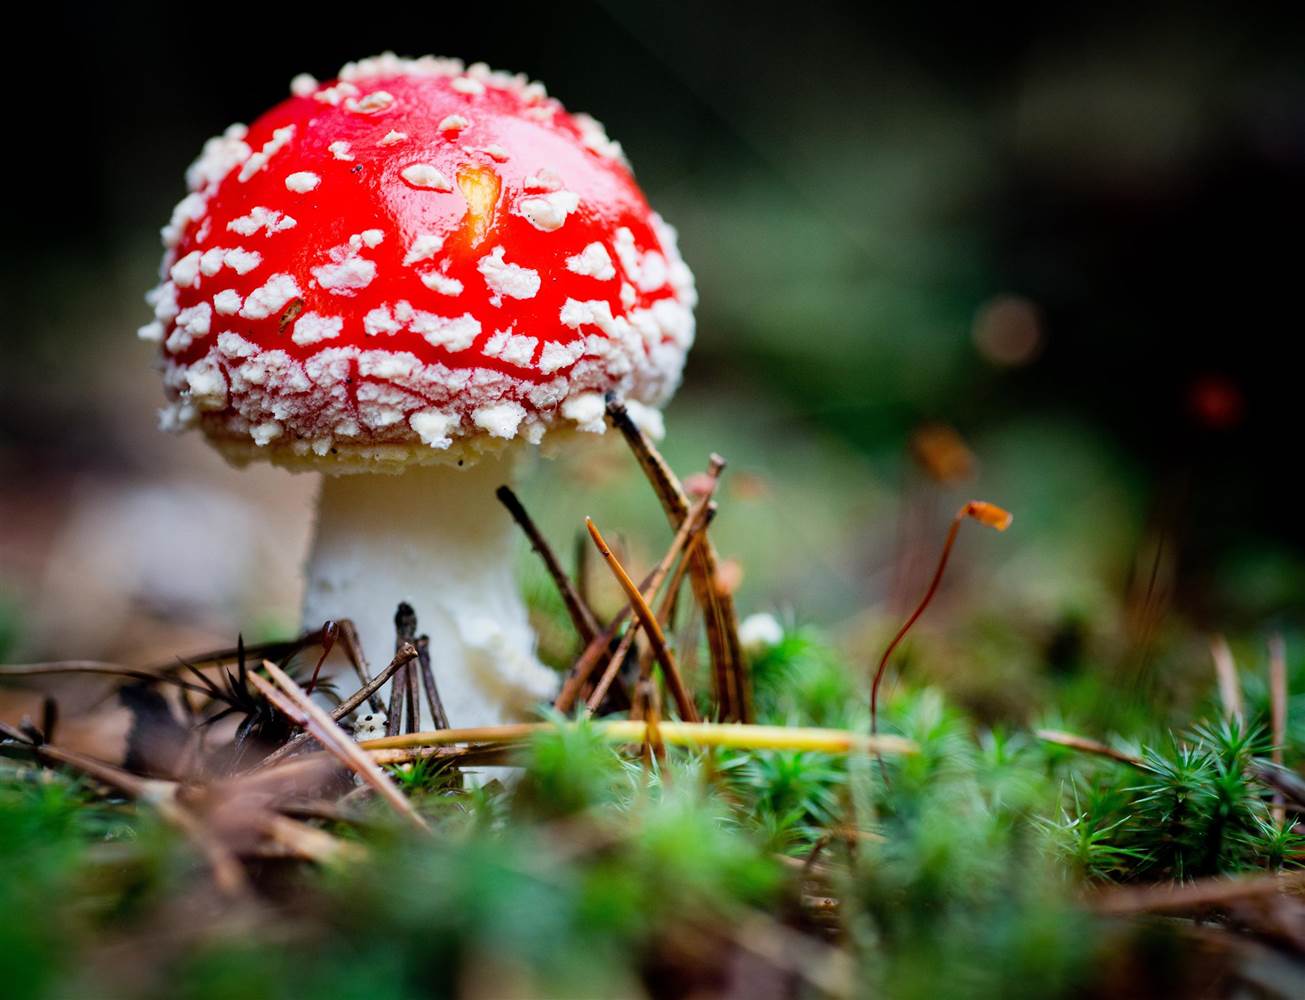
{"x": 592, "y": 875}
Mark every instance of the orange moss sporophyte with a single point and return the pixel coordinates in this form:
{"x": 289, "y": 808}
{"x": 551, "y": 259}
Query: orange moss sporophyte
{"x": 985, "y": 513}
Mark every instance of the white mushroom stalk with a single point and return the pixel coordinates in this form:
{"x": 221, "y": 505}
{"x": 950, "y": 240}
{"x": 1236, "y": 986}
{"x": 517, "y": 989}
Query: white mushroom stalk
{"x": 435, "y": 538}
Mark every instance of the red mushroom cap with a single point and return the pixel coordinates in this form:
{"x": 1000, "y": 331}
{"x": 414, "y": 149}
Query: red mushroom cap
{"x": 416, "y": 262}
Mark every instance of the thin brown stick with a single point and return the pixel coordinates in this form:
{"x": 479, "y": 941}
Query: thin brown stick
{"x": 312, "y": 768}
{"x": 1286, "y": 784}
{"x": 405, "y": 655}
{"x": 163, "y": 673}
{"x": 637, "y": 601}
{"x": 1204, "y": 893}
{"x": 438, "y": 718}
{"x": 614, "y": 664}
{"x": 684, "y": 543}
{"x": 850, "y": 835}
{"x": 323, "y": 809}
{"x": 405, "y": 633}
{"x": 813, "y": 856}
{"x": 405, "y": 630}
{"x": 721, "y": 626}
{"x": 687, "y": 642}
{"x": 704, "y": 492}
{"x": 310, "y": 843}
{"x": 587, "y": 662}
{"x": 413, "y": 697}
{"x": 353, "y": 652}
{"x": 75, "y": 667}
{"x": 290, "y": 699}
{"x": 582, "y": 618}
{"x": 687, "y": 538}
{"x": 719, "y": 615}
{"x": 150, "y": 789}
{"x": 394, "y": 711}
{"x": 101, "y": 668}
{"x": 1087, "y": 746}
{"x": 591, "y": 656}
{"x": 652, "y": 628}
{"x": 1225, "y": 669}
{"x": 1278, "y": 713}
{"x": 273, "y": 650}
{"x": 670, "y": 596}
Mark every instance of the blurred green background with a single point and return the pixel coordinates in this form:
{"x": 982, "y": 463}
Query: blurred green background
{"x": 1034, "y": 255}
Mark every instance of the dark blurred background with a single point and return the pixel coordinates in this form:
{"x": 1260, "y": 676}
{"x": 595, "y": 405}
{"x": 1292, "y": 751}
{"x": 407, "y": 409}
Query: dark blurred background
{"x": 1042, "y": 255}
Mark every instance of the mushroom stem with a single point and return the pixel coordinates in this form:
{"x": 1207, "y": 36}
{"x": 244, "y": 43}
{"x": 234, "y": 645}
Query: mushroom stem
{"x": 436, "y": 538}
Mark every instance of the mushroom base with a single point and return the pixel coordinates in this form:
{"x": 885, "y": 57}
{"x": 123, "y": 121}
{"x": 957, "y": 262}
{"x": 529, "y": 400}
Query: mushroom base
{"x": 437, "y": 538}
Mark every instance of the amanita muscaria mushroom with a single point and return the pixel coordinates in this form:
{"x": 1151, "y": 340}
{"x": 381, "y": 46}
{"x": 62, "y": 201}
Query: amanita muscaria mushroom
{"x": 417, "y": 268}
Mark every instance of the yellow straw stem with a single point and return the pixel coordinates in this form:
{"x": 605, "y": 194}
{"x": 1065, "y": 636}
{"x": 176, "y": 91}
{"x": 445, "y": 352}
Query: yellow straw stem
{"x": 684, "y": 734}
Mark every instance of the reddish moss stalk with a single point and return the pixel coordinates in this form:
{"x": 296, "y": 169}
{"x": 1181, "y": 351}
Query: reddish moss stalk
{"x": 978, "y": 510}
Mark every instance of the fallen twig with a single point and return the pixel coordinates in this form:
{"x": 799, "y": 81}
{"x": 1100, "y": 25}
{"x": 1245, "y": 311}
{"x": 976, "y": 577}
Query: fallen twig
{"x": 438, "y": 718}
{"x": 1288, "y": 786}
{"x": 310, "y": 843}
{"x": 102, "y": 668}
{"x": 275, "y": 650}
{"x": 1225, "y": 669}
{"x": 592, "y": 655}
{"x": 581, "y": 616}
{"x": 587, "y": 662}
{"x": 354, "y": 654}
{"x": 683, "y": 545}
{"x": 732, "y": 695}
{"x": 1087, "y": 746}
{"x": 652, "y": 628}
{"x": 1168, "y": 898}
{"x": 290, "y": 699}
{"x": 405, "y": 631}
{"x": 405, "y": 655}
